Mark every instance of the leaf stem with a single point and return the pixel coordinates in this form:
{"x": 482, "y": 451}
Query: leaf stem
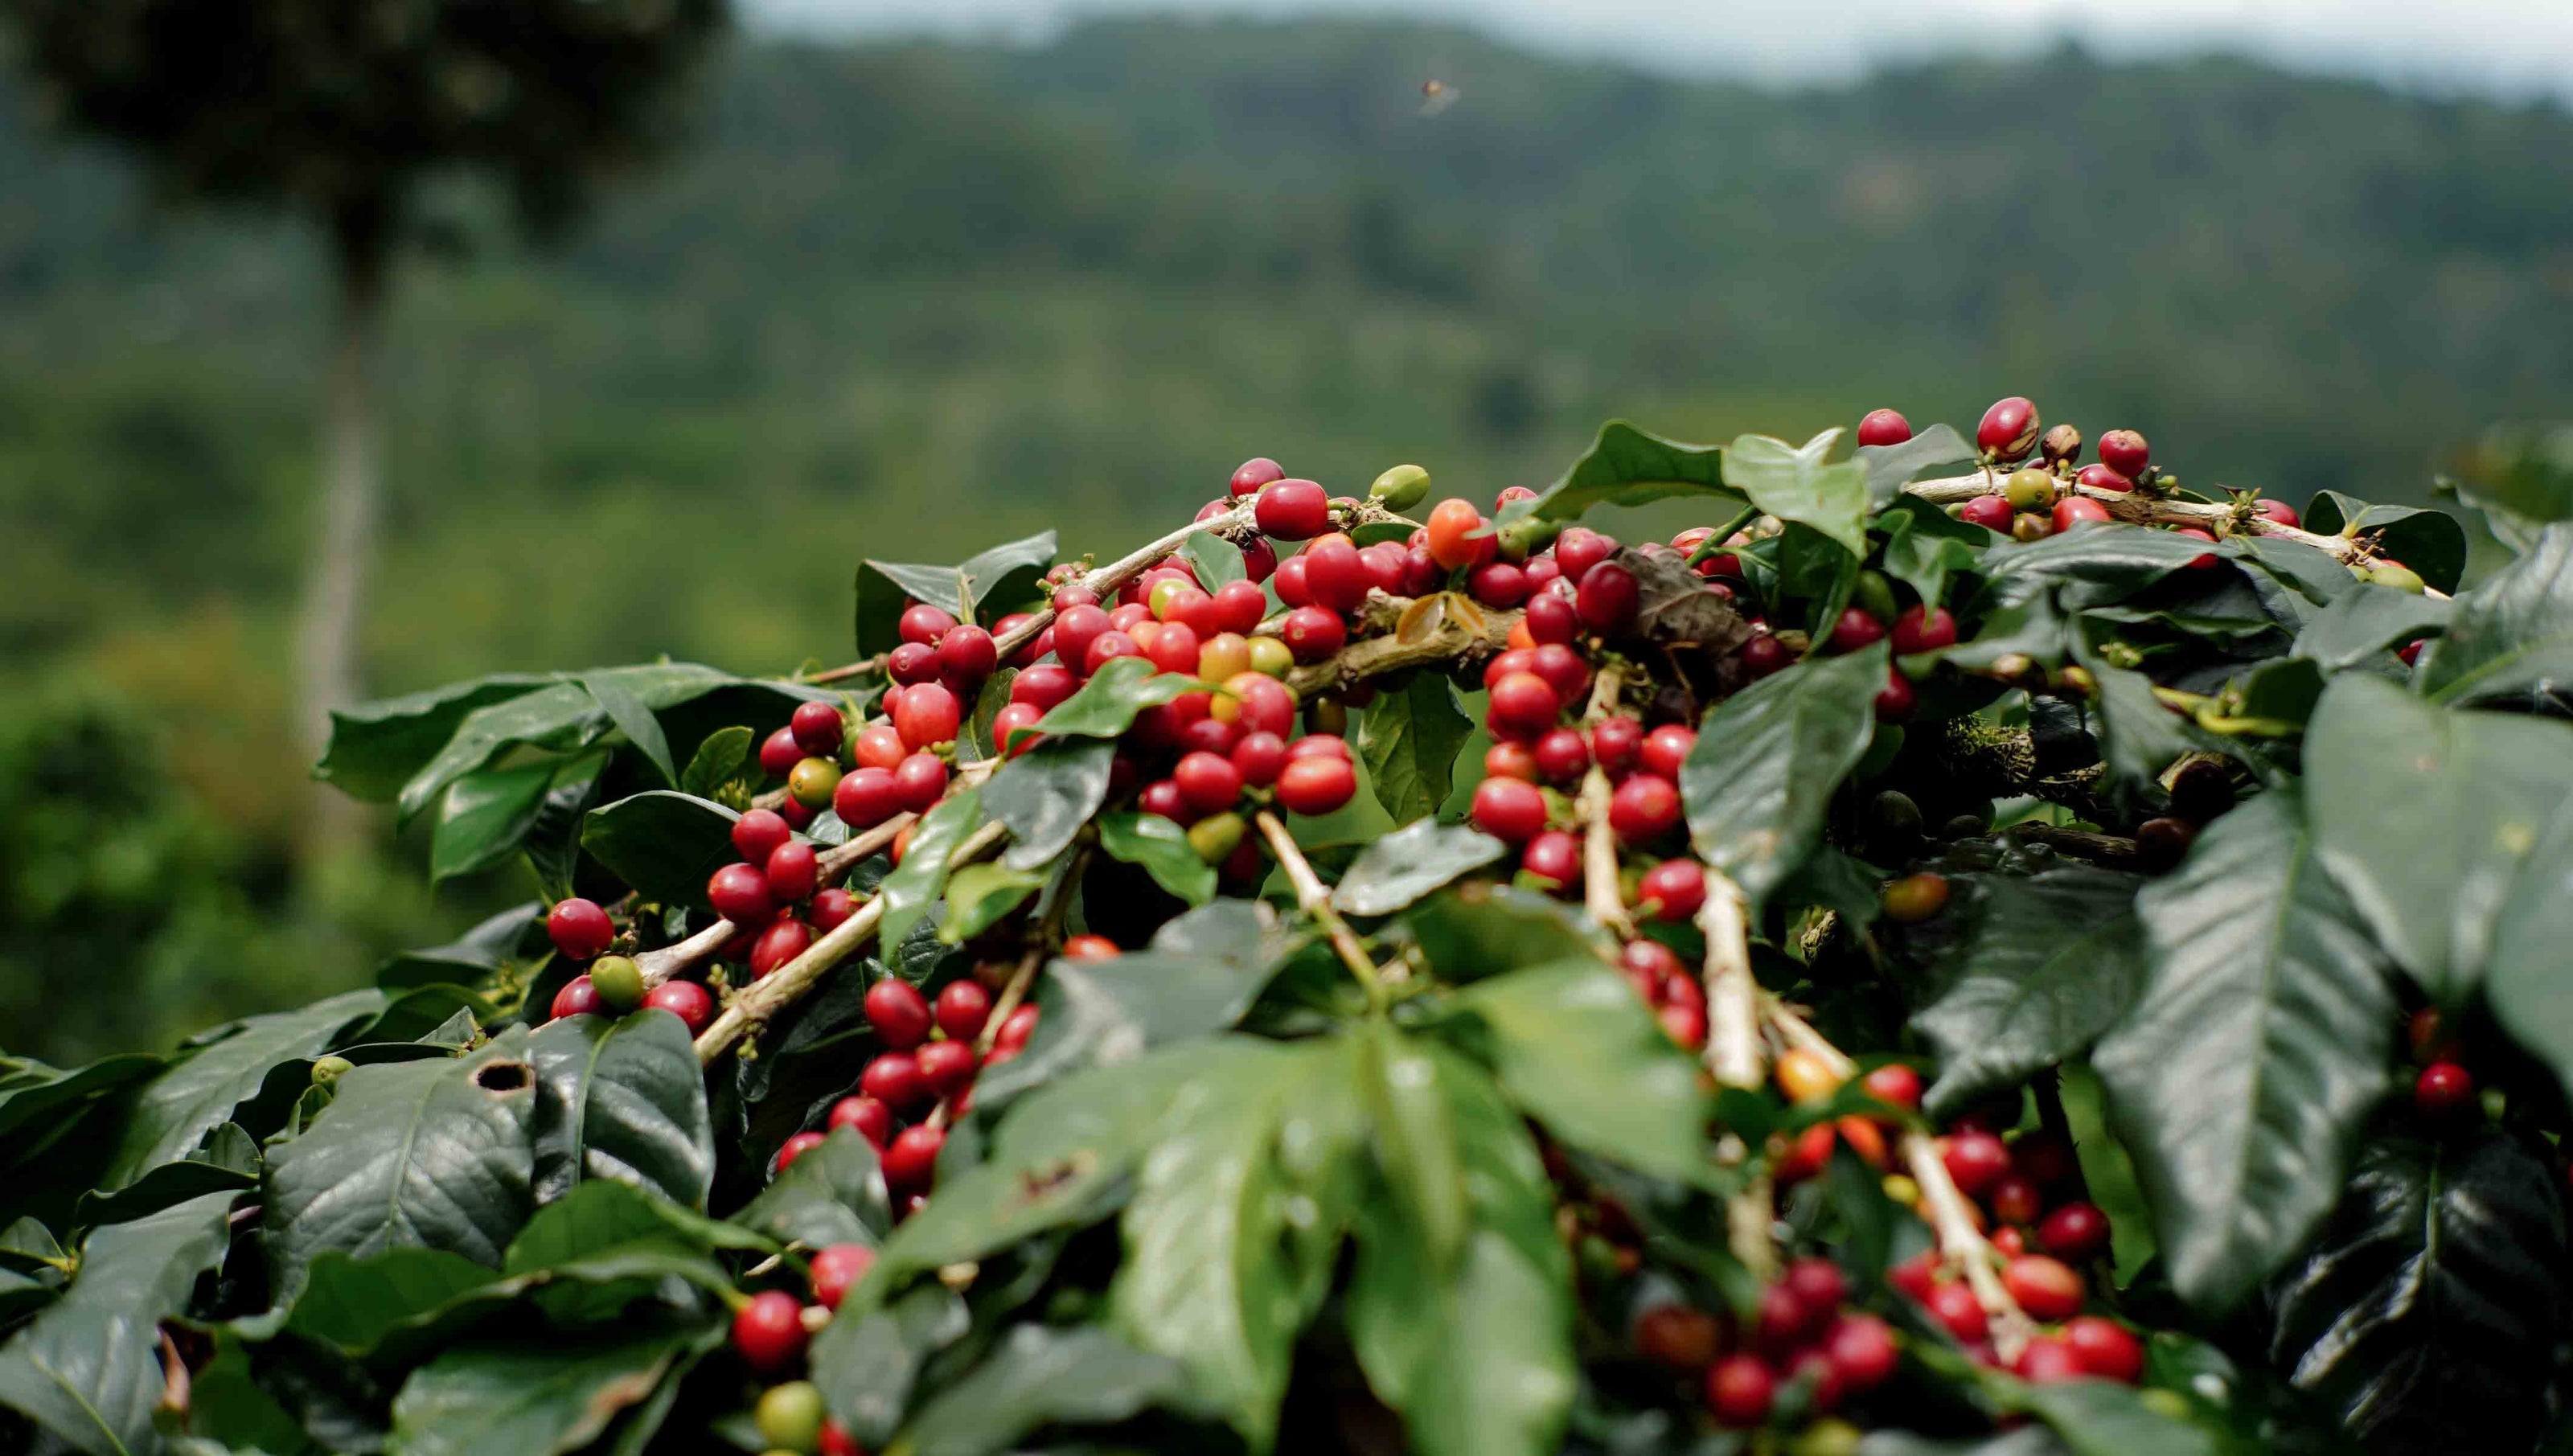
{"x": 1715, "y": 543}
{"x": 1314, "y": 899}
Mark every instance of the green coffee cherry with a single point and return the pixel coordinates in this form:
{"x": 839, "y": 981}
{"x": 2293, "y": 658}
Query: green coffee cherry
{"x": 1401, "y": 488}
{"x": 328, "y": 1070}
{"x": 1521, "y": 540}
{"x": 1874, "y": 595}
{"x": 812, "y": 782}
{"x": 1216, "y": 836}
{"x": 2402, "y": 578}
{"x": 790, "y": 1416}
{"x": 619, "y": 982}
{"x": 2029, "y": 489}
{"x": 1270, "y": 657}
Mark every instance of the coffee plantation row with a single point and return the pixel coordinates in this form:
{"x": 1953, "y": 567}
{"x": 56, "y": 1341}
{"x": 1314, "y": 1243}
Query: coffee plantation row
{"x": 1969, "y": 948}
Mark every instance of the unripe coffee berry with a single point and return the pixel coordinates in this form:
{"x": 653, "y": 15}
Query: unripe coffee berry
{"x": 2029, "y": 489}
{"x": 1914, "y": 898}
{"x": 814, "y": 778}
{"x": 619, "y": 982}
{"x": 1401, "y": 488}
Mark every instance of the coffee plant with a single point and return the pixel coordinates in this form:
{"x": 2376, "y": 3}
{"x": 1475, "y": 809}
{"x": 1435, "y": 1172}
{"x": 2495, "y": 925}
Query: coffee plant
{"x": 1965, "y": 950}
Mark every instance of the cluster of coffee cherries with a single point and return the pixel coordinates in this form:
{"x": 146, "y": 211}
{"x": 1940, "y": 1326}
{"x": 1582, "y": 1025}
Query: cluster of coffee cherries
{"x": 583, "y": 933}
{"x": 770, "y": 1330}
{"x": 901, "y": 765}
{"x": 1804, "y": 1331}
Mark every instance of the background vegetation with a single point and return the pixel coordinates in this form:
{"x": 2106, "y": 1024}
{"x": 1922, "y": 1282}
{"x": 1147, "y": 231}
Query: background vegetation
{"x": 946, "y": 296}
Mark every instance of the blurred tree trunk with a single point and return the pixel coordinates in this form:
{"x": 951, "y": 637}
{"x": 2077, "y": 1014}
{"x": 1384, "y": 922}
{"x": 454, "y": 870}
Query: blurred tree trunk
{"x": 334, "y": 600}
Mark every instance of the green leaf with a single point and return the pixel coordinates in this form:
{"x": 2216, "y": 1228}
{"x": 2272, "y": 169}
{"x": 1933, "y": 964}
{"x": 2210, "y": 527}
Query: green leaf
{"x": 176, "y": 1110}
{"x": 87, "y": 1368}
{"x": 1162, "y": 849}
{"x": 2104, "y": 1418}
{"x": 1924, "y": 556}
{"x": 1004, "y": 577}
{"x": 1794, "y": 483}
{"x": 2046, "y": 964}
{"x": 921, "y": 878}
{"x": 1105, "y": 705}
{"x": 834, "y": 1193}
{"x": 2510, "y": 640}
{"x": 2431, "y": 542}
{"x": 38, "y": 1100}
{"x": 1409, "y": 740}
{"x": 2372, "y": 619}
{"x": 472, "y": 956}
{"x": 2425, "y": 815}
{"x": 718, "y": 760}
{"x": 1474, "y": 1351}
{"x": 1217, "y": 561}
{"x": 2097, "y": 564}
{"x": 1768, "y": 759}
{"x": 539, "y": 1395}
{"x": 1216, "y": 1275}
{"x": 2244, "y": 1074}
{"x": 868, "y": 1363}
{"x": 376, "y": 747}
{"x": 1410, "y": 863}
{"x": 552, "y": 839}
{"x": 484, "y": 817}
{"x": 999, "y": 578}
{"x": 408, "y": 1155}
{"x": 979, "y": 895}
{"x": 1575, "y": 1046}
{"x": 1483, "y": 928}
{"x": 1890, "y": 467}
{"x": 2525, "y": 986}
{"x": 617, "y": 700}
{"x": 1629, "y": 466}
{"x": 2430, "y": 1304}
{"x": 624, "y": 1100}
{"x": 1038, "y": 1378}
{"x": 1046, "y": 794}
{"x": 2139, "y": 737}
{"x": 663, "y": 843}
{"x": 228, "y": 1163}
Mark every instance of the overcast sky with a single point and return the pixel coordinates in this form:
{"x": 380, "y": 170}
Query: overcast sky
{"x": 2503, "y": 47}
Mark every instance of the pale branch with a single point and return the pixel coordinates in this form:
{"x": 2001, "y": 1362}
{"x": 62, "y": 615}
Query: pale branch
{"x": 1735, "y": 1053}
{"x": 756, "y": 1003}
{"x": 1440, "y": 630}
{"x": 1750, "y": 1227}
{"x": 1962, "y": 1246}
{"x": 1601, "y": 892}
{"x": 1314, "y": 899}
{"x": 833, "y": 865}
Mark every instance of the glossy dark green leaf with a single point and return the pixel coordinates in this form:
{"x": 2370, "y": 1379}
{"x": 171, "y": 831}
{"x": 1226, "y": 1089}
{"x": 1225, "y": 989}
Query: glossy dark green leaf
{"x": 980, "y": 896}
{"x": 2510, "y": 640}
{"x": 718, "y": 758}
{"x": 2425, "y": 815}
{"x": 1473, "y": 1350}
{"x": 1105, "y": 705}
{"x": 1798, "y": 483}
{"x": 1576, "y": 1049}
{"x": 921, "y": 878}
{"x": 1099, "y": 1013}
{"x": 663, "y": 843}
{"x": 868, "y": 1363}
{"x": 87, "y": 1368}
{"x": 2094, "y": 564}
{"x": 1411, "y": 863}
{"x": 484, "y": 816}
{"x": 2431, "y": 542}
{"x": 883, "y": 589}
{"x": 1162, "y": 849}
{"x": 2432, "y": 1303}
{"x": 624, "y": 708}
{"x": 1629, "y": 466}
{"x": 2137, "y": 736}
{"x": 470, "y": 957}
{"x": 1890, "y": 467}
{"x": 1004, "y": 577}
{"x": 1409, "y": 739}
{"x": 552, "y": 839}
{"x": 430, "y": 1154}
{"x": 624, "y": 1100}
{"x": 1216, "y": 560}
{"x": 227, "y": 1162}
{"x": 1483, "y": 929}
{"x": 1038, "y": 1378}
{"x": 1768, "y": 759}
{"x": 1047, "y": 794}
{"x": 834, "y": 1193}
{"x": 376, "y": 747}
{"x": 176, "y": 1110}
{"x": 538, "y": 1395}
{"x": 1923, "y": 551}
{"x": 2247, "y": 1072}
{"x": 2367, "y": 621}
{"x": 36, "y": 1100}
{"x": 2046, "y": 964}
{"x": 2525, "y": 986}
{"x": 2106, "y": 1418}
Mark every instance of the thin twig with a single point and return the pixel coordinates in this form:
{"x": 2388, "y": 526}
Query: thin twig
{"x": 1735, "y": 1053}
{"x": 1965, "y": 1248}
{"x": 832, "y": 867}
{"x": 1601, "y": 892}
{"x": 1441, "y": 629}
{"x": 1314, "y": 899}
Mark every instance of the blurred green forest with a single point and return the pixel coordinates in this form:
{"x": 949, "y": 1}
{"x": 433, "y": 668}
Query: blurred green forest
{"x": 907, "y": 299}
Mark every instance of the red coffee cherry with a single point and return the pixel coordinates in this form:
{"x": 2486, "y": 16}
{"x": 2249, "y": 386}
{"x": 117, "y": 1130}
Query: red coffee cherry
{"x": 1076, "y": 629}
{"x": 1253, "y": 473}
{"x": 2105, "y": 1348}
{"x": 1209, "y": 782}
{"x": 1863, "y": 1352}
{"x": 920, "y": 782}
{"x": 1579, "y": 548}
{"x": 835, "y": 1268}
{"x": 2101, "y": 477}
{"x": 911, "y": 1161}
{"x": 817, "y": 728}
{"x": 869, "y": 1117}
{"x": 1617, "y": 745}
{"x": 792, "y": 870}
{"x": 1882, "y": 428}
{"x": 779, "y": 753}
{"x": 928, "y": 714}
{"x": 1522, "y": 706}
{"x": 2277, "y": 511}
{"x": 1644, "y": 808}
{"x": 1316, "y": 784}
{"x": 1677, "y": 1337}
{"x": 1551, "y": 617}
{"x": 1855, "y": 629}
{"x": 1894, "y": 1084}
{"x": 2071, "y": 511}
{"x": 2124, "y": 451}
{"x": 1289, "y": 582}
{"x": 1553, "y": 857}
{"x": 912, "y": 663}
{"x": 779, "y": 944}
{"x": 2008, "y": 430}
{"x": 2015, "y": 1199}
{"x": 687, "y": 1000}
{"x": 2075, "y": 1231}
{"x": 925, "y": 624}
{"x": 1163, "y": 797}
{"x": 1608, "y": 600}
{"x": 577, "y": 999}
{"x": 1452, "y": 540}
{"x": 1989, "y": 512}
{"x": 2442, "y": 1088}
{"x": 1976, "y": 1162}
{"x": 866, "y": 798}
{"x": 768, "y": 1332}
{"x": 1498, "y": 584}
{"x": 961, "y": 1009}
{"x": 1673, "y": 890}
{"x": 757, "y": 834}
{"x": 968, "y": 655}
{"x": 1335, "y": 574}
{"x": 1175, "y": 648}
{"x": 2048, "y": 1360}
{"x": 894, "y": 1080}
{"x": 793, "y": 1148}
{"x": 1313, "y": 633}
{"x": 1077, "y": 948}
{"x": 1821, "y": 1286}
{"x": 1924, "y": 629}
{"x": 1509, "y": 810}
{"x": 1740, "y": 1390}
{"x": 898, "y": 1012}
{"x": 579, "y": 929}
{"x": 948, "y": 1067}
{"x": 1894, "y": 700}
{"x": 1562, "y": 669}
{"x": 739, "y": 893}
{"x": 1956, "y": 1308}
{"x": 2046, "y": 1289}
{"x": 1239, "y": 606}
{"x": 1666, "y": 749}
{"x": 1563, "y": 755}
{"x": 1292, "y": 510}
